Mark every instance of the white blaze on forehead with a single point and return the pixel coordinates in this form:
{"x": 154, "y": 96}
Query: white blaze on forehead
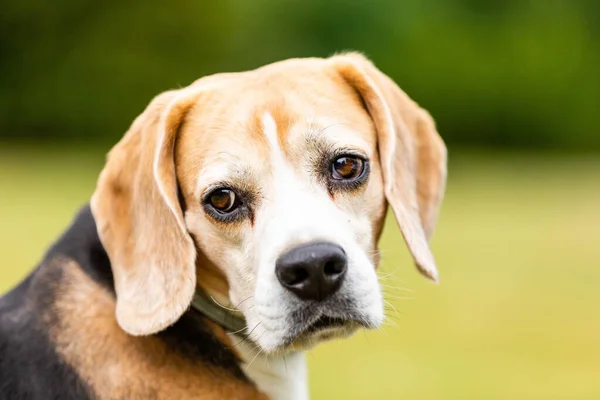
{"x": 270, "y": 131}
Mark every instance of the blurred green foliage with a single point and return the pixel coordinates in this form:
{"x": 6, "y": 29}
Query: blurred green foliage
{"x": 516, "y": 73}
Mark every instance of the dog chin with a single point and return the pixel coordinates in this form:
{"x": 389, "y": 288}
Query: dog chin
{"x": 304, "y": 336}
{"x": 308, "y": 340}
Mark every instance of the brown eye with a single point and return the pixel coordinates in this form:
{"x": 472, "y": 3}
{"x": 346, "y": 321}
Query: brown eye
{"x": 224, "y": 200}
{"x": 347, "y": 168}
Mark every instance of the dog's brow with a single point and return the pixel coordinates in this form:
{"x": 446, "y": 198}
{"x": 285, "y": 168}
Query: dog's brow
{"x": 225, "y": 167}
{"x": 334, "y": 135}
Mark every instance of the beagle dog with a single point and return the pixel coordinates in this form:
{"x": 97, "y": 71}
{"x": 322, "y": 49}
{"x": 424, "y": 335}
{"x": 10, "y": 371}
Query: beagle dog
{"x": 234, "y": 226}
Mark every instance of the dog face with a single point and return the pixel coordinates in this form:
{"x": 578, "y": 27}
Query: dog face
{"x": 277, "y": 180}
{"x": 280, "y": 190}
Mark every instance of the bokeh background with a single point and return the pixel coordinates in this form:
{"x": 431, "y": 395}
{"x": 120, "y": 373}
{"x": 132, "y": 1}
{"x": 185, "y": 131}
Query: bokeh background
{"x": 514, "y": 86}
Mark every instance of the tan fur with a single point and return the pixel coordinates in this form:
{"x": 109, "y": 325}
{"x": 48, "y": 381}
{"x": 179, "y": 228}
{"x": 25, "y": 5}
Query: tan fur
{"x": 226, "y": 122}
{"x": 211, "y": 280}
{"x": 215, "y": 124}
{"x": 139, "y": 221}
{"x": 119, "y": 366}
{"x": 412, "y": 153}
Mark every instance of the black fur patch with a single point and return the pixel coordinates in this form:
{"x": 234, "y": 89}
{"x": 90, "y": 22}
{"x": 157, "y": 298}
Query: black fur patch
{"x": 81, "y": 244}
{"x": 191, "y": 337}
{"x": 29, "y": 366}
{"x": 30, "y": 369}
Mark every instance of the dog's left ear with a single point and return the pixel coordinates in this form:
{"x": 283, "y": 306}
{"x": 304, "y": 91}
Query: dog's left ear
{"x": 411, "y": 152}
{"x": 141, "y": 223}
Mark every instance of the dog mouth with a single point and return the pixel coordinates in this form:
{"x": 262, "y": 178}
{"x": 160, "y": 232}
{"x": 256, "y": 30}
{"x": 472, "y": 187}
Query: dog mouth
{"x": 326, "y": 322}
{"x": 311, "y": 324}
{"x": 324, "y": 328}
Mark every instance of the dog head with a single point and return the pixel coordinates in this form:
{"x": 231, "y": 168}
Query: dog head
{"x": 269, "y": 189}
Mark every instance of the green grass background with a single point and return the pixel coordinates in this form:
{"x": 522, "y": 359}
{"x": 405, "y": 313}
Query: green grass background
{"x": 517, "y": 313}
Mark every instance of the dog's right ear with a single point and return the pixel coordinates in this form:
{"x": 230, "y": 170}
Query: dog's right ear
{"x": 140, "y": 221}
{"x": 412, "y": 154}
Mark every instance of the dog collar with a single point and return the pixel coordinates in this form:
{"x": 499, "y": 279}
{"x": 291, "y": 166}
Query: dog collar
{"x": 231, "y": 320}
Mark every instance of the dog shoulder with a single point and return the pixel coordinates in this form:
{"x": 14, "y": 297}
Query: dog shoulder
{"x": 59, "y": 338}
{"x": 30, "y": 368}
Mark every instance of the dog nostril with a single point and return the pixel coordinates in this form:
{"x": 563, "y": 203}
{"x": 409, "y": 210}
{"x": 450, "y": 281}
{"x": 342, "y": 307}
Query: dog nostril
{"x": 333, "y": 268}
{"x": 299, "y": 275}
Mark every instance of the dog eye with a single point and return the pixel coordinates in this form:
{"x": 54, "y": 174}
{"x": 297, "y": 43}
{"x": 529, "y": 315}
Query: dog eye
{"x": 347, "y": 168}
{"x": 224, "y": 200}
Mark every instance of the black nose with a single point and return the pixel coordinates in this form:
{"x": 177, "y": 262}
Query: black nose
{"x": 312, "y": 271}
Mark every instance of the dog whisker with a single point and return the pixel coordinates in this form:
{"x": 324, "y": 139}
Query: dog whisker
{"x": 389, "y": 286}
{"x": 247, "y": 336}
{"x": 383, "y": 274}
{"x": 392, "y": 297}
{"x": 225, "y": 307}
{"x": 390, "y": 312}
{"x": 390, "y": 279}
{"x": 391, "y": 276}
{"x": 389, "y": 322}
{"x": 391, "y": 305}
{"x": 395, "y": 287}
{"x": 256, "y": 346}
{"x": 240, "y": 330}
{"x": 243, "y": 301}
{"x": 398, "y": 291}
{"x": 251, "y": 362}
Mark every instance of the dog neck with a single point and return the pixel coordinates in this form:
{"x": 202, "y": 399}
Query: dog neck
{"x": 229, "y": 319}
{"x": 279, "y": 376}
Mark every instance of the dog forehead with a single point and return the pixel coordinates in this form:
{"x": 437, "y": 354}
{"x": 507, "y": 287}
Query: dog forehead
{"x": 230, "y": 125}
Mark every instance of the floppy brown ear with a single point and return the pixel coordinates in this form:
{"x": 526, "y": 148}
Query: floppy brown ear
{"x": 140, "y": 222}
{"x": 412, "y": 155}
